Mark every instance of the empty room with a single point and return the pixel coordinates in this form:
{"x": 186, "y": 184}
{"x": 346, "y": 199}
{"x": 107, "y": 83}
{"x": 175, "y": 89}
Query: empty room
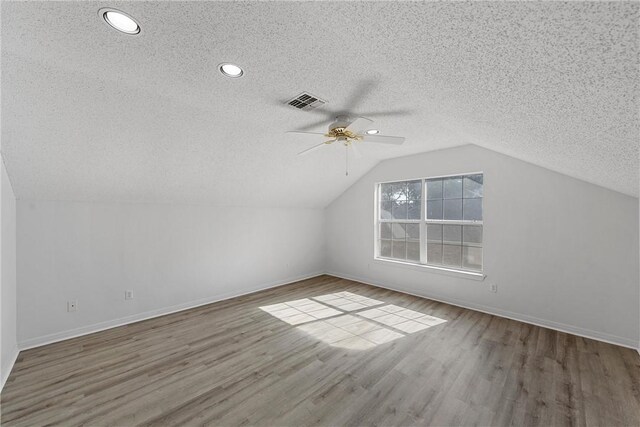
{"x": 319, "y": 213}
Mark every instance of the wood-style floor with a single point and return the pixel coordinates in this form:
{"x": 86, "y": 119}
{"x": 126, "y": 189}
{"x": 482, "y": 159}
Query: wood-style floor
{"x": 233, "y": 363}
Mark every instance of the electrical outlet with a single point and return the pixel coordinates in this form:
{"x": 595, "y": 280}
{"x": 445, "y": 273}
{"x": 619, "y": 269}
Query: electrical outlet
{"x": 72, "y": 305}
{"x": 493, "y": 287}
{"x": 128, "y": 294}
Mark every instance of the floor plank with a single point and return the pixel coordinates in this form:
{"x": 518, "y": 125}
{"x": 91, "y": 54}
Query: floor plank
{"x": 238, "y": 362}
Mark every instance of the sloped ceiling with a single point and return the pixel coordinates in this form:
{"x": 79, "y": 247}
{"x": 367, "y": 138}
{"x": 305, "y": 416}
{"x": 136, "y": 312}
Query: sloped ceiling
{"x": 92, "y": 114}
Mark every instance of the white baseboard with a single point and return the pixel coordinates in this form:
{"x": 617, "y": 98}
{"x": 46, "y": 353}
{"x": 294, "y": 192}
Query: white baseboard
{"x": 570, "y": 329}
{"x": 97, "y": 327}
{"x": 6, "y": 368}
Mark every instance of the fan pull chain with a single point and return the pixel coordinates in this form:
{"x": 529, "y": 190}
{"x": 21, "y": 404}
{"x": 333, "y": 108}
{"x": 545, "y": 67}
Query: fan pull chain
{"x": 346, "y": 160}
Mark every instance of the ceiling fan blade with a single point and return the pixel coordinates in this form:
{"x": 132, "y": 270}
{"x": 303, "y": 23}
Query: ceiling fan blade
{"x": 359, "y": 125}
{"x": 383, "y": 139}
{"x": 390, "y": 113}
{"x": 314, "y": 125}
{"x": 315, "y": 147}
{"x": 362, "y": 90}
{"x": 306, "y": 135}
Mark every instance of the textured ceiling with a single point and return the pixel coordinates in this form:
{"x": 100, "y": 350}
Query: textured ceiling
{"x": 92, "y": 114}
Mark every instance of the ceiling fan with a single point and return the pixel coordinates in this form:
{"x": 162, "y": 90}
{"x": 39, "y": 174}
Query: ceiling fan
{"x": 348, "y": 131}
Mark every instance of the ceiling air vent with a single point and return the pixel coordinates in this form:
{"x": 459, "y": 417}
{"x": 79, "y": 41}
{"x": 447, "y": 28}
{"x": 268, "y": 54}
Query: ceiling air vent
{"x": 305, "y": 101}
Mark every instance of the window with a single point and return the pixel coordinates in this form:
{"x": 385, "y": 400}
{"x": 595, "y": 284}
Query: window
{"x": 432, "y": 221}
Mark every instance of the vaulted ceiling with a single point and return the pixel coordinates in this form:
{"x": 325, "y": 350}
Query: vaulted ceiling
{"x": 89, "y": 113}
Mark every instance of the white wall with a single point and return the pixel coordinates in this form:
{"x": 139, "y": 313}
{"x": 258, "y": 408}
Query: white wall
{"x": 563, "y": 252}
{"x": 8, "y": 343}
{"x": 171, "y": 256}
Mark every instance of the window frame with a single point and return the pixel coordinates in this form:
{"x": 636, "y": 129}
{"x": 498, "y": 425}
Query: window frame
{"x": 423, "y": 222}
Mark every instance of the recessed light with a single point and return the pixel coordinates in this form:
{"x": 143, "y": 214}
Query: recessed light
{"x": 373, "y": 132}
{"x": 231, "y": 70}
{"x": 119, "y": 20}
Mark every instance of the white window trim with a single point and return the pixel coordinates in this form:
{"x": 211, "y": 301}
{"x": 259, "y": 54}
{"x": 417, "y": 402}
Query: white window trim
{"x": 422, "y": 265}
{"x": 465, "y": 274}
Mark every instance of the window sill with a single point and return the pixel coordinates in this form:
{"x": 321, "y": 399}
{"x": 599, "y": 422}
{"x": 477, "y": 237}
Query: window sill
{"x": 428, "y": 268}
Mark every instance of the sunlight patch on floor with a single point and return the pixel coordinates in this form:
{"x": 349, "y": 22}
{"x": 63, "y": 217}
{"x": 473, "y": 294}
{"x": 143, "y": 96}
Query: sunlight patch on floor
{"x": 351, "y": 321}
{"x": 347, "y": 301}
{"x": 300, "y": 311}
